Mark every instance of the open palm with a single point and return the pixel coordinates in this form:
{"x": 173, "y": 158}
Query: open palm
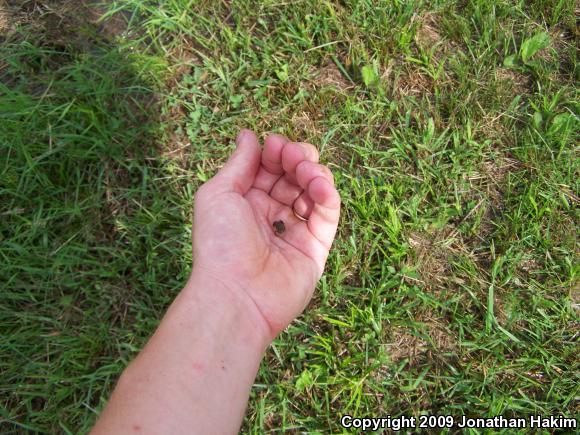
{"x": 247, "y": 235}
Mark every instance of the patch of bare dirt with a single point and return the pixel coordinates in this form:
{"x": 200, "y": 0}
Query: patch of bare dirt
{"x": 530, "y": 265}
{"x": 176, "y": 147}
{"x": 10, "y": 18}
{"x": 429, "y": 38}
{"x": 405, "y": 345}
{"x": 305, "y": 125}
{"x": 330, "y": 76}
{"x": 511, "y": 82}
{"x": 185, "y": 60}
{"x": 493, "y": 174}
{"x": 432, "y": 252}
{"x": 413, "y": 82}
{"x": 427, "y": 34}
{"x": 490, "y": 178}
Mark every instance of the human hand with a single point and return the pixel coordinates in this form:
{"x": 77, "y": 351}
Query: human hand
{"x": 239, "y": 241}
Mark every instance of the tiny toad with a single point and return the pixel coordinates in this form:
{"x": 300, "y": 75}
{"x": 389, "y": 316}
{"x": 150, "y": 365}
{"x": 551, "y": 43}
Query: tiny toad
{"x": 279, "y": 227}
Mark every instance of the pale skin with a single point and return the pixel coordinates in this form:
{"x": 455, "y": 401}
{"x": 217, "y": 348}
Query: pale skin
{"x": 249, "y": 281}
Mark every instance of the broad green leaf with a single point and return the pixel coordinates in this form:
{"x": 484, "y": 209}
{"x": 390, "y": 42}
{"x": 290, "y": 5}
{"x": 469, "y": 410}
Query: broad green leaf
{"x": 282, "y": 73}
{"x": 236, "y": 100}
{"x": 534, "y": 44}
{"x": 304, "y": 381}
{"x": 562, "y": 124}
{"x": 510, "y": 61}
{"x": 369, "y": 75}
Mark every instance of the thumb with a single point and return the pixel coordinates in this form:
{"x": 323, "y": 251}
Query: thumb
{"x": 240, "y": 170}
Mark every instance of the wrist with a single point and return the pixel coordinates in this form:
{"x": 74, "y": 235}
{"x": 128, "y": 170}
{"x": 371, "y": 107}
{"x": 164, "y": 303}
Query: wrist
{"x": 230, "y": 305}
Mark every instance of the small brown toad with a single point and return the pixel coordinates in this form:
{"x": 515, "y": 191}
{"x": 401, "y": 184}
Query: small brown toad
{"x": 279, "y": 227}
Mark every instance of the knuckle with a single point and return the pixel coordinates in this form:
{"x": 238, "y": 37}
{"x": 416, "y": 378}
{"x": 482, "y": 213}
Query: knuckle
{"x": 310, "y": 151}
{"x": 313, "y": 152}
{"x": 328, "y": 173}
{"x": 302, "y": 166}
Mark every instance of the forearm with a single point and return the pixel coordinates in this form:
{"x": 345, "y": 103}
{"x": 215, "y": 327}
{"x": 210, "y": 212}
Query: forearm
{"x": 195, "y": 373}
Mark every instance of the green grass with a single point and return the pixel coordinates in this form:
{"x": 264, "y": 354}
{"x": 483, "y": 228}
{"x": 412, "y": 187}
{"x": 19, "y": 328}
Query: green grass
{"x": 452, "y": 287}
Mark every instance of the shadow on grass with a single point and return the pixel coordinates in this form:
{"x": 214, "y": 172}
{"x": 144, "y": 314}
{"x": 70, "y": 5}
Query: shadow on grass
{"x": 83, "y": 276}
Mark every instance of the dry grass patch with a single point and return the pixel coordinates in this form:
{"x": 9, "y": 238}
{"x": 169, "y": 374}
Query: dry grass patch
{"x": 406, "y": 345}
{"x": 305, "y": 126}
{"x": 176, "y": 145}
{"x": 492, "y": 175}
{"x": 489, "y": 179}
{"x": 413, "y": 82}
{"x": 430, "y": 38}
{"x": 427, "y": 34}
{"x": 184, "y": 59}
{"x": 330, "y": 76}
{"x": 10, "y": 19}
{"x": 510, "y": 82}
{"x": 431, "y": 258}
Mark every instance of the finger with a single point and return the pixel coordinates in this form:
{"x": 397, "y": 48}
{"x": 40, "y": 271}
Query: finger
{"x": 295, "y": 152}
{"x": 303, "y": 205}
{"x": 285, "y": 191}
{"x": 272, "y": 154}
{"x": 271, "y": 163}
{"x": 307, "y": 171}
{"x": 239, "y": 172}
{"x": 323, "y": 219}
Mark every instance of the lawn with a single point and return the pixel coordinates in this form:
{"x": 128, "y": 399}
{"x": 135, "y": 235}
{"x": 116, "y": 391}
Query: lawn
{"x": 451, "y": 128}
